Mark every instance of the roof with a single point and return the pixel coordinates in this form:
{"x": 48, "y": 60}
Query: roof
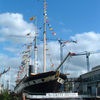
{"x": 94, "y": 70}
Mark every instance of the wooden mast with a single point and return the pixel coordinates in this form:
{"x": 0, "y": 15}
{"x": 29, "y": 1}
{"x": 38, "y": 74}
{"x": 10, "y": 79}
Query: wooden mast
{"x": 35, "y": 47}
{"x": 44, "y": 33}
{"x": 29, "y": 51}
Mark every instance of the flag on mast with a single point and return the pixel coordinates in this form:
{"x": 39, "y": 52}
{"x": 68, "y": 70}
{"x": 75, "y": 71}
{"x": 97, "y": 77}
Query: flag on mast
{"x": 32, "y": 18}
{"x": 53, "y": 33}
{"x": 51, "y": 29}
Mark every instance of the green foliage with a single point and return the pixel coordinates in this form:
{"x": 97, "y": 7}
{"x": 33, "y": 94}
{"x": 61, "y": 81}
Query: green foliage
{"x": 1, "y": 97}
{"x": 5, "y": 95}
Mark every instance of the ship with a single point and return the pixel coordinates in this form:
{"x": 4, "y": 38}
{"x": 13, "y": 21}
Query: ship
{"x": 45, "y": 82}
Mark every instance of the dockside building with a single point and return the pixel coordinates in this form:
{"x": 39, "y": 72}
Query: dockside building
{"x": 90, "y": 82}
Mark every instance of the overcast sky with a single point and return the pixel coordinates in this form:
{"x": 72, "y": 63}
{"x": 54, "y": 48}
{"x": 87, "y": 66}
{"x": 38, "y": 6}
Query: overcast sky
{"x": 70, "y": 19}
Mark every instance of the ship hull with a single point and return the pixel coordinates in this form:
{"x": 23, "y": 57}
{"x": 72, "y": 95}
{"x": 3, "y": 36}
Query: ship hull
{"x": 41, "y": 83}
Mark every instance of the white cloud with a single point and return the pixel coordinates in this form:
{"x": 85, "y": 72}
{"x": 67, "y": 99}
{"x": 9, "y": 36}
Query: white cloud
{"x": 12, "y": 29}
{"x": 13, "y": 63}
{"x": 10, "y": 49}
{"x": 2, "y": 39}
{"x": 14, "y": 24}
{"x": 9, "y": 61}
{"x": 87, "y": 41}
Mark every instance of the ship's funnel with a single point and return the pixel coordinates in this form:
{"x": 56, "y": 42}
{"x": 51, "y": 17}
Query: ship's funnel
{"x": 30, "y": 69}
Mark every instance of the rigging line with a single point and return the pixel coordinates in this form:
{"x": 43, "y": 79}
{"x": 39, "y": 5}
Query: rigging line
{"x": 18, "y": 36}
{"x": 51, "y": 62}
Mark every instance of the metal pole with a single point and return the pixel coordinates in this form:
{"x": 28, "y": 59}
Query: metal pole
{"x": 87, "y": 58}
{"x": 61, "y": 53}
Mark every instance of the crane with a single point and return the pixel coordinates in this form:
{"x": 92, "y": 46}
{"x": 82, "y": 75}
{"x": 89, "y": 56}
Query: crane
{"x": 62, "y": 44}
{"x": 87, "y": 53}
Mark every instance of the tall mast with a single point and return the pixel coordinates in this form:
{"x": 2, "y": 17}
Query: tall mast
{"x": 28, "y": 56}
{"x": 44, "y": 33}
{"x": 35, "y": 47}
{"x": 30, "y": 52}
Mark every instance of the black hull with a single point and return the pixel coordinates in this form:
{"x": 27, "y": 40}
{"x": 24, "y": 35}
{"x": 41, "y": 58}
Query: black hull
{"x": 52, "y": 86}
{"x": 41, "y": 83}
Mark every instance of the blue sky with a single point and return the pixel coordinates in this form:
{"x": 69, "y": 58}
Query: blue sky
{"x": 71, "y": 19}
{"x": 75, "y": 15}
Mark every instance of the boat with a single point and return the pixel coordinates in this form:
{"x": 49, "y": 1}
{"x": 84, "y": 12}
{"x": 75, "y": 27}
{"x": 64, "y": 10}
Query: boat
{"x": 45, "y": 82}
